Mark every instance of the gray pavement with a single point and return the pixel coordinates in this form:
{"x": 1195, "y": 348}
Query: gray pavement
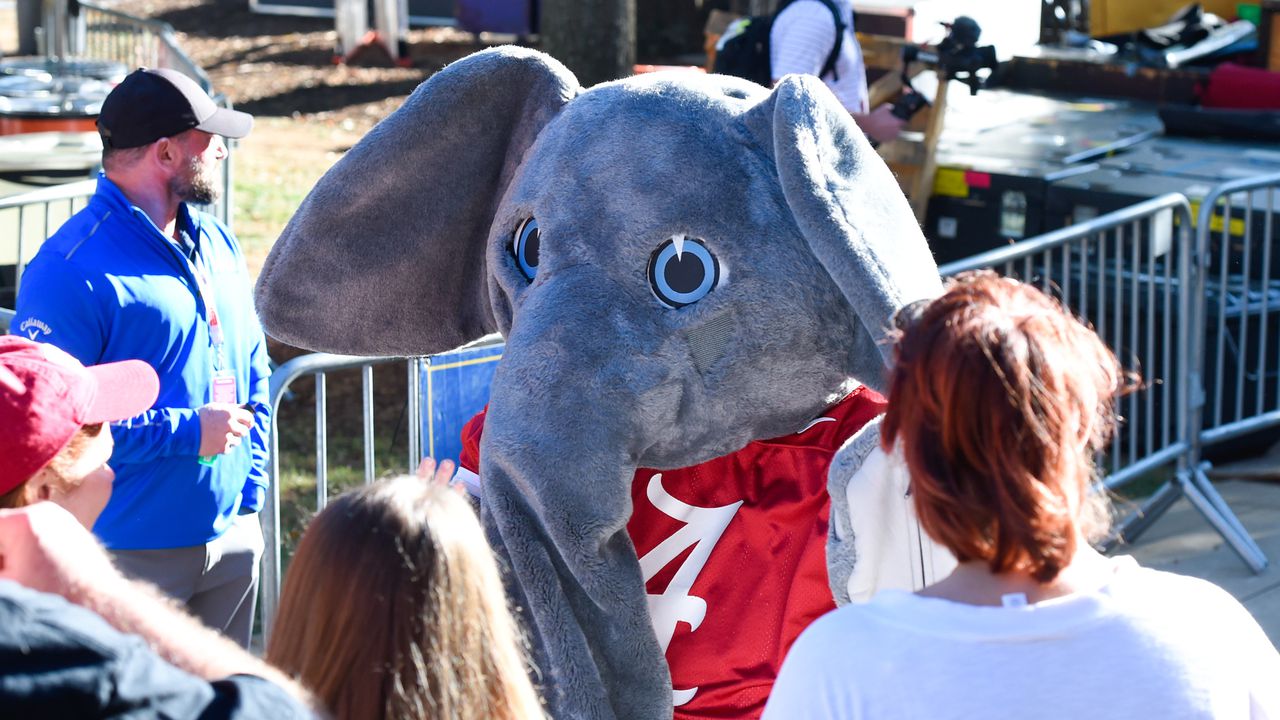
{"x": 1183, "y": 542}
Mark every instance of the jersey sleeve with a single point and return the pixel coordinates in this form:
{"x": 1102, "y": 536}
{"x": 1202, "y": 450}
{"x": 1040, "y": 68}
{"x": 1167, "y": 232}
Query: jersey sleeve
{"x": 470, "y": 458}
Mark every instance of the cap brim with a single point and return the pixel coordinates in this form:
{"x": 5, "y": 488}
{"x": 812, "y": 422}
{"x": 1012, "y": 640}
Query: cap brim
{"x": 227, "y": 123}
{"x": 125, "y": 389}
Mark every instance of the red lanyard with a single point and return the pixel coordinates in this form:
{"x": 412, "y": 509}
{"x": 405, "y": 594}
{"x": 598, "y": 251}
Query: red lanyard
{"x": 205, "y": 285}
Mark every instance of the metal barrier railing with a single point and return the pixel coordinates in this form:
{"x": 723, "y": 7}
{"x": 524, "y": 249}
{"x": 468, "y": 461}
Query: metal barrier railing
{"x": 1235, "y": 240}
{"x": 1239, "y": 362}
{"x": 101, "y": 33}
{"x": 1126, "y": 274}
{"x": 26, "y": 221}
{"x": 318, "y": 366}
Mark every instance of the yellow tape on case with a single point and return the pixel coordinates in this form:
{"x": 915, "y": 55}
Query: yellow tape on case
{"x": 951, "y": 182}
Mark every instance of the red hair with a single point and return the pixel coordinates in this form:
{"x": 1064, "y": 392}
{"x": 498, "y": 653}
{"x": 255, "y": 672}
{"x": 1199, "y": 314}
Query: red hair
{"x": 1000, "y": 399}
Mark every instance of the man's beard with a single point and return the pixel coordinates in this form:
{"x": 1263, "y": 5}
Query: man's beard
{"x": 198, "y": 184}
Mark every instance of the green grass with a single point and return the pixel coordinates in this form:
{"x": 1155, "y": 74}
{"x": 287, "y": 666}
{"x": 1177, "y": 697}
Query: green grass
{"x": 273, "y": 170}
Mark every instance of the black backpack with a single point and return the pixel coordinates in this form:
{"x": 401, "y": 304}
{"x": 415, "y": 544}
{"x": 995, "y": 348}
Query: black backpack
{"x": 746, "y": 54}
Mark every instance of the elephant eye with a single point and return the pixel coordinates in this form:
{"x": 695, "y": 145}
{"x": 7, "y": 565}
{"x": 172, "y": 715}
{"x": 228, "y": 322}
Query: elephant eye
{"x": 682, "y": 271}
{"x": 525, "y": 245}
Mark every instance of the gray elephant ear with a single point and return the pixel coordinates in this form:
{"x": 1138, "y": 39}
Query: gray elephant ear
{"x": 849, "y": 208}
{"x": 386, "y": 255}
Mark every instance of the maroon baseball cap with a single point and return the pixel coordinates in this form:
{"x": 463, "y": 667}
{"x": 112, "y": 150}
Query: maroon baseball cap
{"x": 46, "y": 396}
{"x": 152, "y": 104}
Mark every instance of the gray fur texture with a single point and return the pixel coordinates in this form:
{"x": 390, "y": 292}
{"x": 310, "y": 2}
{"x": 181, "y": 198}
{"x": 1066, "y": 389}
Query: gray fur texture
{"x": 404, "y": 247}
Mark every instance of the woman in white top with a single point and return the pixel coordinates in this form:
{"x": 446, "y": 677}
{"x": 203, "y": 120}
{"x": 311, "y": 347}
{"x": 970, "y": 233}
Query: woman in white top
{"x": 998, "y": 400}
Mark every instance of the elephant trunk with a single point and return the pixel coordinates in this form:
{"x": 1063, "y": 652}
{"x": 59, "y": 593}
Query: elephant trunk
{"x": 558, "y": 456}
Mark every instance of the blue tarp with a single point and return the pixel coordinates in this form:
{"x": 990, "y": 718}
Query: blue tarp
{"x": 455, "y": 386}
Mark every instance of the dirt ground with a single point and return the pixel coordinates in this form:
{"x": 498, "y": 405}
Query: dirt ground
{"x": 275, "y": 66}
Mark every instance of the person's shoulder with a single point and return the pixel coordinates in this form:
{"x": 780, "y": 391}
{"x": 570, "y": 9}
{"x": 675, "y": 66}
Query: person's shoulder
{"x": 1142, "y": 583}
{"x": 803, "y": 23}
{"x": 208, "y": 222}
{"x": 832, "y": 634}
{"x": 210, "y": 226}
{"x": 834, "y": 660}
{"x": 84, "y": 232}
{"x": 1163, "y": 600}
{"x": 41, "y": 621}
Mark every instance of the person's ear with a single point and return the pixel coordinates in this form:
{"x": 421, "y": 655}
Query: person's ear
{"x": 38, "y": 488}
{"x": 166, "y": 153}
{"x": 398, "y": 230}
{"x": 848, "y": 207}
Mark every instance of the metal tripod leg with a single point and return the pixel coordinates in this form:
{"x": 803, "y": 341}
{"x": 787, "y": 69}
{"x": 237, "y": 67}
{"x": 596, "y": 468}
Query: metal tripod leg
{"x": 1206, "y": 499}
{"x": 1140, "y": 520}
{"x": 1201, "y": 480}
{"x": 1195, "y": 486}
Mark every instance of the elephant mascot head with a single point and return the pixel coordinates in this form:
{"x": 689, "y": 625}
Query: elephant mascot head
{"x": 680, "y": 264}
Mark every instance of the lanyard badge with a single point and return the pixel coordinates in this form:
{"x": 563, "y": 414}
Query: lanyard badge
{"x": 205, "y": 285}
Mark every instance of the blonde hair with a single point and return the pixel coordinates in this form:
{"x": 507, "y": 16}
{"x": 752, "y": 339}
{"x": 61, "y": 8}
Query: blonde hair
{"x": 393, "y": 608}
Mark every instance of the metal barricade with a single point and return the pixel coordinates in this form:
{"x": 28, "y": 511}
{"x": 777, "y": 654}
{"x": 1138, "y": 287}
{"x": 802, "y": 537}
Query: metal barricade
{"x": 318, "y": 366}
{"x": 102, "y": 33}
{"x": 1130, "y": 274}
{"x": 28, "y": 219}
{"x": 1123, "y": 273}
{"x": 1238, "y": 322}
{"x": 1235, "y": 242}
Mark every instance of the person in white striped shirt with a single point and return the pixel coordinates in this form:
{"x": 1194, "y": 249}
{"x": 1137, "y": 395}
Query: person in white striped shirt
{"x": 802, "y": 37}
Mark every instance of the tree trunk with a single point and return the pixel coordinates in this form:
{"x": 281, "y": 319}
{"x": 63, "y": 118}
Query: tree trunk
{"x": 596, "y": 39}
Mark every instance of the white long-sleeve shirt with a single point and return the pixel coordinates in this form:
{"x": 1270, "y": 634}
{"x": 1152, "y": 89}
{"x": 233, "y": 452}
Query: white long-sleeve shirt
{"x": 1148, "y": 644}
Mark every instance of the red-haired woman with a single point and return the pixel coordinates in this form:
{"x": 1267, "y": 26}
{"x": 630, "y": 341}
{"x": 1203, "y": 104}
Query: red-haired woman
{"x": 999, "y": 400}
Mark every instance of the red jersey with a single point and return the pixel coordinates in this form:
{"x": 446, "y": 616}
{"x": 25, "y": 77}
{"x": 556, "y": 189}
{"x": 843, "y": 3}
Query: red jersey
{"x": 733, "y": 553}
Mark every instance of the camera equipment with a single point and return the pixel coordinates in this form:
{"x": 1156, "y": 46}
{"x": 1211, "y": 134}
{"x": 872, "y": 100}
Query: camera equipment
{"x": 957, "y": 57}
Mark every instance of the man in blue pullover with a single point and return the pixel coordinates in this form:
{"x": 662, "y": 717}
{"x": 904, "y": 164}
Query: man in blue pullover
{"x": 140, "y": 274}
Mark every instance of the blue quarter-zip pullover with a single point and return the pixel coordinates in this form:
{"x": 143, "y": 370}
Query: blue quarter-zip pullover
{"x": 108, "y": 286}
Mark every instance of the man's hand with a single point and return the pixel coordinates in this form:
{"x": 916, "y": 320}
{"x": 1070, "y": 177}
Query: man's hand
{"x": 881, "y": 124}
{"x": 45, "y": 548}
{"x": 222, "y": 425}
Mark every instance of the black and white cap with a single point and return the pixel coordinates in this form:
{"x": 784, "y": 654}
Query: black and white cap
{"x": 152, "y": 104}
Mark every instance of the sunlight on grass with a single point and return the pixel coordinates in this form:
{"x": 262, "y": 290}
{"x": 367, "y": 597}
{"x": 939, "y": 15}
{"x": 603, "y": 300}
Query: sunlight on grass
{"x": 275, "y": 167}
